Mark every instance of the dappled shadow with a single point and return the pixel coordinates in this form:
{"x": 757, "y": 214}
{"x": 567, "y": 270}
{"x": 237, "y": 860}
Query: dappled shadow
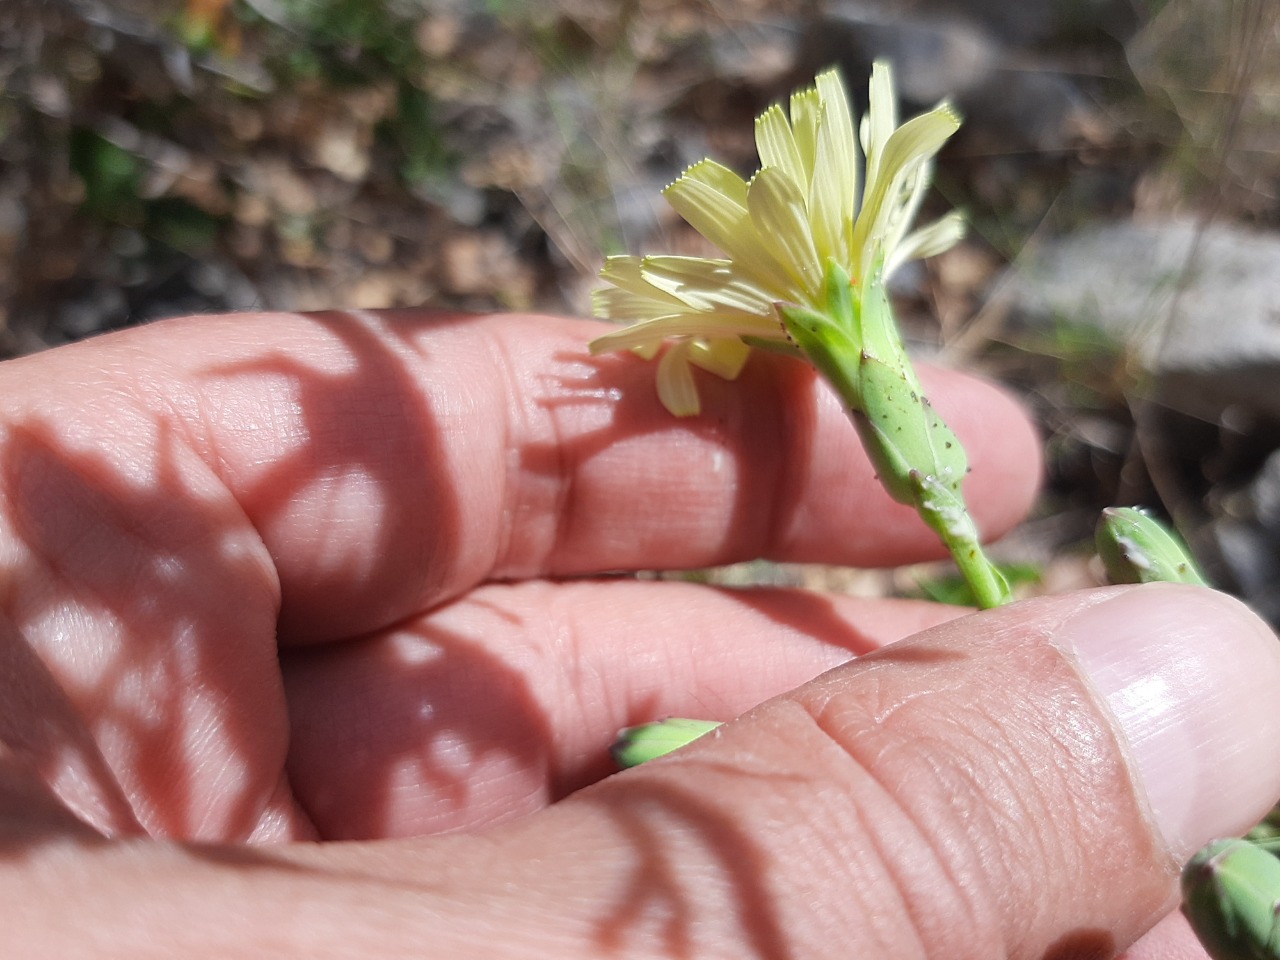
{"x": 437, "y": 733}
{"x": 906, "y": 655}
{"x": 53, "y": 778}
{"x": 367, "y": 422}
{"x": 242, "y": 858}
{"x": 793, "y": 610}
{"x": 691, "y": 859}
{"x": 143, "y": 588}
{"x": 809, "y": 613}
{"x": 124, "y": 600}
{"x": 702, "y": 875}
{"x": 615, "y": 402}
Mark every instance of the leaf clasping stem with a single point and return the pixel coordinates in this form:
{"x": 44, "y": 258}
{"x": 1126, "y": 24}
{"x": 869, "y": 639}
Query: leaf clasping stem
{"x": 855, "y": 346}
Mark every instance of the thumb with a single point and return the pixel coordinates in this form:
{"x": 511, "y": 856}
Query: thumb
{"x": 1024, "y": 782}
{"x": 1020, "y": 783}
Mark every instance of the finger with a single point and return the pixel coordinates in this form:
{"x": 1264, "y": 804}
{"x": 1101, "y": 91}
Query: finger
{"x": 1019, "y": 783}
{"x": 498, "y": 704}
{"x": 388, "y": 463}
{"x": 151, "y": 604}
{"x": 165, "y": 491}
{"x": 1023, "y": 782}
{"x": 53, "y": 778}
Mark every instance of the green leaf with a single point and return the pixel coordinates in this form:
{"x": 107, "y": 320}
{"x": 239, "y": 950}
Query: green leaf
{"x": 956, "y": 590}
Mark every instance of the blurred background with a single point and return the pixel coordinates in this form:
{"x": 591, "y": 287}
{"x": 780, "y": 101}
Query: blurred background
{"x": 1119, "y": 164}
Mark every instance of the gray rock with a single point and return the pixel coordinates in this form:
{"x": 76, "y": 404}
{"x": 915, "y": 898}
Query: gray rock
{"x": 1017, "y": 102}
{"x": 1200, "y": 308}
{"x": 1251, "y": 556}
{"x": 933, "y": 57}
{"x": 1031, "y": 22}
{"x": 760, "y": 53}
{"x": 1247, "y": 538}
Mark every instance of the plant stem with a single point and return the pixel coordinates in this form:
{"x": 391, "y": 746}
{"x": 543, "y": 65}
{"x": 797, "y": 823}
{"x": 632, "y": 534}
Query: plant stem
{"x": 958, "y": 532}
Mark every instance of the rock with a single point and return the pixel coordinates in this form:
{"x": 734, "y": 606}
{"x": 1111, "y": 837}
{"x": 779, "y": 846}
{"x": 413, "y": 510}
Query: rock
{"x": 342, "y": 148}
{"x": 1200, "y": 307}
{"x": 1247, "y": 538}
{"x": 1030, "y": 22}
{"x": 1251, "y": 556}
{"x": 1038, "y": 110}
{"x": 1009, "y": 99}
{"x": 932, "y": 57}
{"x": 759, "y": 53}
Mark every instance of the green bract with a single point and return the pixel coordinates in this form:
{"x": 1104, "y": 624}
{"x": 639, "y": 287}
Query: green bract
{"x": 1231, "y": 896}
{"x": 855, "y": 345}
{"x": 1137, "y": 548}
{"x": 648, "y": 741}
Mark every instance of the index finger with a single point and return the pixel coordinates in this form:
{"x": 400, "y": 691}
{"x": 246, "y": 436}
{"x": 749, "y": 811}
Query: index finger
{"x": 391, "y": 461}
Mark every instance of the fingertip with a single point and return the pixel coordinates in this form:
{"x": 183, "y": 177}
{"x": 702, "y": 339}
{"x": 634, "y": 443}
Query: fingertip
{"x": 1189, "y": 675}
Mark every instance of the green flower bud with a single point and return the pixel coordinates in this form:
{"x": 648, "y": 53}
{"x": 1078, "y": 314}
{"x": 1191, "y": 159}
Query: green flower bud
{"x": 1137, "y": 548}
{"x": 648, "y": 741}
{"x": 1230, "y": 895}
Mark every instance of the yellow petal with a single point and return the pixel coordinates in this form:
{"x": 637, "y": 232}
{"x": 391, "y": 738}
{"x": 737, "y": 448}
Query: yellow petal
{"x": 707, "y": 325}
{"x": 943, "y": 234}
{"x": 716, "y": 213}
{"x": 920, "y": 138}
{"x": 902, "y": 202}
{"x": 649, "y": 286}
{"x": 712, "y": 198}
{"x": 720, "y": 178}
{"x": 833, "y": 192}
{"x": 645, "y": 336}
{"x": 882, "y": 116}
{"x": 913, "y": 143}
{"x": 723, "y": 219}
{"x": 646, "y": 351}
{"x": 706, "y": 284}
{"x": 676, "y": 388}
{"x": 777, "y": 145}
{"x": 628, "y": 273}
{"x": 781, "y": 221}
{"x": 725, "y": 358}
{"x": 614, "y": 303}
{"x": 806, "y": 108}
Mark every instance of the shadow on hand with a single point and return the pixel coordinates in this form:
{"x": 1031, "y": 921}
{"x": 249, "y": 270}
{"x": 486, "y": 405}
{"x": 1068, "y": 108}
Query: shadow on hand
{"x": 615, "y": 402}
{"x": 695, "y": 870}
{"x": 144, "y": 588}
{"x": 434, "y": 734}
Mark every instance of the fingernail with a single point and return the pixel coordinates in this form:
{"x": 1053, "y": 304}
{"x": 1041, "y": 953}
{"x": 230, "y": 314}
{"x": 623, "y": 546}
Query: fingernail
{"x": 1192, "y": 677}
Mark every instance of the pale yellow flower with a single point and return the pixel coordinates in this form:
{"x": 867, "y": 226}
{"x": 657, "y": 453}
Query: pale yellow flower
{"x": 778, "y": 231}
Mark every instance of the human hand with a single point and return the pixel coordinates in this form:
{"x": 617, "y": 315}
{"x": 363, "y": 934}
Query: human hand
{"x": 283, "y": 579}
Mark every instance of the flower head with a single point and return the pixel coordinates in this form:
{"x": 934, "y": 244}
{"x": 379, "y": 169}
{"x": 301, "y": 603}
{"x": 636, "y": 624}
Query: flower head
{"x": 803, "y": 210}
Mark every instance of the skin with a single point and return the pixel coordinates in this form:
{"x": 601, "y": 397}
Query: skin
{"x": 275, "y": 582}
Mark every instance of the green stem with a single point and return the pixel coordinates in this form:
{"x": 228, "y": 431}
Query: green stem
{"x": 957, "y": 531}
{"x": 855, "y": 345}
